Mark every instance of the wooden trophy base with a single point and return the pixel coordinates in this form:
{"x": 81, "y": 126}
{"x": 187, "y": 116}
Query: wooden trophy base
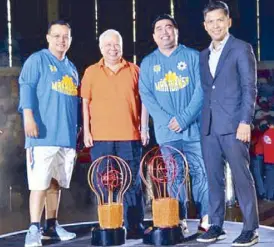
{"x": 110, "y": 215}
{"x": 166, "y": 229}
{"x": 108, "y": 237}
{"x": 165, "y": 212}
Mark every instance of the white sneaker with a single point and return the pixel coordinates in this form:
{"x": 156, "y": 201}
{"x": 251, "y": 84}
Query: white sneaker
{"x": 203, "y": 227}
{"x": 184, "y": 227}
{"x": 33, "y": 237}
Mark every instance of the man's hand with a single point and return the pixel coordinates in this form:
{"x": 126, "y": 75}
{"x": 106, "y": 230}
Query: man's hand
{"x": 88, "y": 141}
{"x": 145, "y": 137}
{"x": 174, "y": 125}
{"x": 243, "y": 132}
{"x": 30, "y": 126}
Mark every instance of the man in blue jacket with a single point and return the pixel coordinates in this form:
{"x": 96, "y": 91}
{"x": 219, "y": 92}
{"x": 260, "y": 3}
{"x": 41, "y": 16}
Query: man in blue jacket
{"x": 170, "y": 89}
{"x": 49, "y": 104}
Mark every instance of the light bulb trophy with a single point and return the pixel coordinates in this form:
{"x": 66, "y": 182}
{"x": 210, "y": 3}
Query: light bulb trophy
{"x": 161, "y": 173}
{"x": 109, "y": 177}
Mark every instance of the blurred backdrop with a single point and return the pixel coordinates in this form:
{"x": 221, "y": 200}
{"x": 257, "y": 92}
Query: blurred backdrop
{"x": 23, "y": 26}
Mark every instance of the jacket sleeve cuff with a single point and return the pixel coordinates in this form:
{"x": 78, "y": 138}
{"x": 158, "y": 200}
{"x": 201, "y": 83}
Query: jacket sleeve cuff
{"x": 245, "y": 122}
{"x": 26, "y": 98}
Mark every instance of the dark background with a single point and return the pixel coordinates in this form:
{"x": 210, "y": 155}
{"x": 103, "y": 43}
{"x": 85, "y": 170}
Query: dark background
{"x": 30, "y": 18}
{"x": 29, "y": 26}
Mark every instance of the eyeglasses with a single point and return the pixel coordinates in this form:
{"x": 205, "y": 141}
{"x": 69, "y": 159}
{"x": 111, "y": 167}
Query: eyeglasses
{"x": 58, "y": 36}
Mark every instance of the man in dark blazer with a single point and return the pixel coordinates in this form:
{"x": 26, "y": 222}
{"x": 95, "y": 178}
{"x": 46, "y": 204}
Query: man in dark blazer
{"x": 228, "y": 76}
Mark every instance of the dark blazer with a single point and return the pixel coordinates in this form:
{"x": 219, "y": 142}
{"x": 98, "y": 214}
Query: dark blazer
{"x": 229, "y": 97}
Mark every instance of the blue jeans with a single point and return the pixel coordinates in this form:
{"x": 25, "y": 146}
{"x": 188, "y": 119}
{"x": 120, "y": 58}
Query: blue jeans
{"x": 269, "y": 181}
{"x": 198, "y": 178}
{"x": 130, "y": 151}
{"x": 257, "y": 169}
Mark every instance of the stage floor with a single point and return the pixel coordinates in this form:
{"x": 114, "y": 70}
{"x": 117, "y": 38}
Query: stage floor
{"x": 84, "y": 237}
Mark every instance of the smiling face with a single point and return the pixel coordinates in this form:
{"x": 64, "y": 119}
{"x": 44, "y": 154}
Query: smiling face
{"x": 111, "y": 48}
{"x": 217, "y": 24}
{"x": 165, "y": 35}
{"x": 59, "y": 40}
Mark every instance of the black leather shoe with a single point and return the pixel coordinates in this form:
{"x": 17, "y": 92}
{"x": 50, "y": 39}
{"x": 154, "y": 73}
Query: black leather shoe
{"x": 246, "y": 238}
{"x": 213, "y": 234}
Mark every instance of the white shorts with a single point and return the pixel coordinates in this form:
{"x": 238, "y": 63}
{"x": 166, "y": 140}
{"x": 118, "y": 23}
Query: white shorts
{"x": 45, "y": 163}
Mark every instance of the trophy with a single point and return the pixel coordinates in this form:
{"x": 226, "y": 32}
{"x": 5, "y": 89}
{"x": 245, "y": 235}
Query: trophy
{"x": 109, "y": 177}
{"x": 161, "y": 170}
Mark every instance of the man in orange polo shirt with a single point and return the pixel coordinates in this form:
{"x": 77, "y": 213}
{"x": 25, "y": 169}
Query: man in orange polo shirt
{"x": 114, "y": 123}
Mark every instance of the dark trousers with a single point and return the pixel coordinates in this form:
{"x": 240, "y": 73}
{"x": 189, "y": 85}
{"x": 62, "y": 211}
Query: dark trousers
{"x": 130, "y": 151}
{"x": 216, "y": 149}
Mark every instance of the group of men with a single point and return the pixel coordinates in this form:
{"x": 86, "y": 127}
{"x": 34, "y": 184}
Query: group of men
{"x": 174, "y": 85}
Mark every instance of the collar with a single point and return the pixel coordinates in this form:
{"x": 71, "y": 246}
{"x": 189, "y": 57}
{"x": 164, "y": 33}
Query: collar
{"x": 101, "y": 63}
{"x": 174, "y": 52}
{"x": 52, "y": 55}
{"x": 220, "y": 46}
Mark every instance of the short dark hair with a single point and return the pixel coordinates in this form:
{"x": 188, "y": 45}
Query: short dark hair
{"x": 164, "y": 17}
{"x": 213, "y": 5}
{"x": 58, "y": 22}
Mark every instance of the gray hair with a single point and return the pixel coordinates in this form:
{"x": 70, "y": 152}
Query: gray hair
{"x": 107, "y": 33}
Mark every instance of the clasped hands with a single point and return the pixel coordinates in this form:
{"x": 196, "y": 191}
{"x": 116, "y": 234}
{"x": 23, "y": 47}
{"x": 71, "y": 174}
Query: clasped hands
{"x": 174, "y": 125}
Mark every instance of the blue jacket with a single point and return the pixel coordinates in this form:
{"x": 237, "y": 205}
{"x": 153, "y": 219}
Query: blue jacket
{"x": 171, "y": 87}
{"x": 49, "y": 88}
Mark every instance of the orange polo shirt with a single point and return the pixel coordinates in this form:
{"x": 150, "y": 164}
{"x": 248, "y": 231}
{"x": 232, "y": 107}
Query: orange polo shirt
{"x": 115, "y": 105}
